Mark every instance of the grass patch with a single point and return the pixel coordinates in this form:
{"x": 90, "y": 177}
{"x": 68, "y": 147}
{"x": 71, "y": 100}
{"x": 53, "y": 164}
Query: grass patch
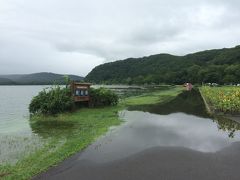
{"x": 68, "y": 133}
{"x": 154, "y": 97}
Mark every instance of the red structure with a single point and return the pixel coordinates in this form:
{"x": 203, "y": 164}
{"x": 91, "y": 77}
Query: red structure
{"x": 80, "y": 91}
{"x": 188, "y": 86}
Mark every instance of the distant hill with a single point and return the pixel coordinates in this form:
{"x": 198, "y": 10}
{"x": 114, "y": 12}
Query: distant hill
{"x": 42, "y": 78}
{"x": 6, "y": 81}
{"x": 218, "y": 66}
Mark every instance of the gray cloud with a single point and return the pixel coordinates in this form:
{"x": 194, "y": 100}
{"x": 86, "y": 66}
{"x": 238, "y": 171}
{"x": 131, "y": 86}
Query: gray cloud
{"x": 74, "y": 36}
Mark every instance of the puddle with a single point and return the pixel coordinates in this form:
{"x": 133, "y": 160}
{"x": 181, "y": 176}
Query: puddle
{"x": 181, "y": 122}
{"x": 189, "y": 102}
{"x": 144, "y": 130}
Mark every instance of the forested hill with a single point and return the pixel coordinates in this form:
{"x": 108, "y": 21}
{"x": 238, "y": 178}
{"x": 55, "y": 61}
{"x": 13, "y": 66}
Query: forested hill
{"x": 43, "y": 78}
{"x": 214, "y": 66}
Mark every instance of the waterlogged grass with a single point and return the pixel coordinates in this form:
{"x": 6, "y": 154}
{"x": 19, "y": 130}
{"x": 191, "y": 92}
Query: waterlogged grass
{"x": 154, "y": 97}
{"x": 68, "y": 133}
{"x": 15, "y": 147}
{"x": 222, "y": 99}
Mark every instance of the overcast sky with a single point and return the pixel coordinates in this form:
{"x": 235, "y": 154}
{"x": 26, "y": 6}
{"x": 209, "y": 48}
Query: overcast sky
{"x": 73, "y": 36}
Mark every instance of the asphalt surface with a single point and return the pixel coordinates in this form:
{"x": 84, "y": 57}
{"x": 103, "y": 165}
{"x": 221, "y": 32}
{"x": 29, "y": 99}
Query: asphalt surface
{"x": 170, "y": 163}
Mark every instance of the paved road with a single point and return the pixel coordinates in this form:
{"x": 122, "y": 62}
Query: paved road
{"x": 155, "y": 163}
{"x": 148, "y": 146}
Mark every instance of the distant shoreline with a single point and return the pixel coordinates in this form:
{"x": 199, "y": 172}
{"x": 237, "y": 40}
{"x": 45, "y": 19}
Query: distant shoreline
{"x": 30, "y": 84}
{"x": 42, "y": 78}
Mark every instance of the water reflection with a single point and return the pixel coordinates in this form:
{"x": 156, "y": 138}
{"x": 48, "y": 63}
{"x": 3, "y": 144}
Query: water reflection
{"x": 181, "y": 122}
{"x": 144, "y": 130}
{"x": 228, "y": 125}
{"x": 189, "y": 102}
{"x": 53, "y": 128}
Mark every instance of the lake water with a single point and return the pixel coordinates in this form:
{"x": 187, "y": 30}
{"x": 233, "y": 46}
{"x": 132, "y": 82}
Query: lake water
{"x": 14, "y": 114}
{"x": 16, "y": 137}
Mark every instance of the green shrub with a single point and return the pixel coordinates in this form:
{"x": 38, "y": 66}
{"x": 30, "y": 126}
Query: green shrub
{"x": 52, "y": 101}
{"x": 103, "y": 97}
{"x": 57, "y": 100}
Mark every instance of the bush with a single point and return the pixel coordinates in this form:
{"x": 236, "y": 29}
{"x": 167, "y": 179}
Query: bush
{"x": 52, "y": 101}
{"x": 57, "y": 100}
{"x": 103, "y": 97}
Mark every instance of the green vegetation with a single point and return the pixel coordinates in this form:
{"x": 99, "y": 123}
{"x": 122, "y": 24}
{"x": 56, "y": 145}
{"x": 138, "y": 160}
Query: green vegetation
{"x": 154, "y": 97}
{"x": 212, "y": 66}
{"x": 103, "y": 97}
{"x": 59, "y": 99}
{"x": 52, "y": 101}
{"x": 69, "y": 133}
{"x": 222, "y": 99}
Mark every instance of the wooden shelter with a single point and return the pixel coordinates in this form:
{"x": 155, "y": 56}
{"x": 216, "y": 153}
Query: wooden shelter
{"x": 80, "y": 91}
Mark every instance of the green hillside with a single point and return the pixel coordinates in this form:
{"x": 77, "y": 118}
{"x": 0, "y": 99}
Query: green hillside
{"x": 214, "y": 66}
{"x": 43, "y": 78}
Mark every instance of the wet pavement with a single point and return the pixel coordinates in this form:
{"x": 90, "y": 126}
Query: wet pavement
{"x": 156, "y": 144}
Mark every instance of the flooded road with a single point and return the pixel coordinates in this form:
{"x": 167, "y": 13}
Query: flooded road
{"x": 175, "y": 140}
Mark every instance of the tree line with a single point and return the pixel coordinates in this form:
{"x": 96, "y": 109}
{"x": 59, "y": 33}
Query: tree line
{"x": 220, "y": 66}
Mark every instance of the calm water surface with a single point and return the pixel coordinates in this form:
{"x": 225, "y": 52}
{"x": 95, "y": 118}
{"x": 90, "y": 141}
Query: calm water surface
{"x": 14, "y": 114}
{"x": 16, "y": 137}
